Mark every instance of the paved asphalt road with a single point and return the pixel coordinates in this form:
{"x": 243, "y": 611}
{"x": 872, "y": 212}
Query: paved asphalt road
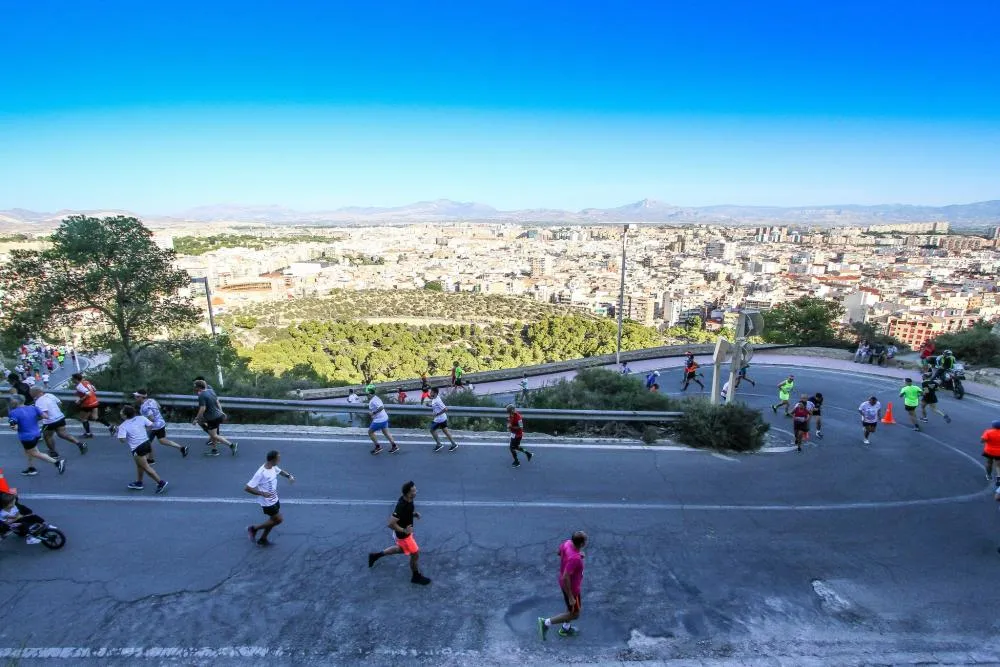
{"x": 840, "y": 555}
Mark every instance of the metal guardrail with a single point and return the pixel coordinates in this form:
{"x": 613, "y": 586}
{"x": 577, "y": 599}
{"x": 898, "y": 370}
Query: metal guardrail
{"x": 278, "y": 405}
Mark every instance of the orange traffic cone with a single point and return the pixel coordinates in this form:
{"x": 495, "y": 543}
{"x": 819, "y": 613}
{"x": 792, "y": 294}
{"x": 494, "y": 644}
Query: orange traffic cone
{"x": 887, "y": 419}
{"x": 4, "y": 487}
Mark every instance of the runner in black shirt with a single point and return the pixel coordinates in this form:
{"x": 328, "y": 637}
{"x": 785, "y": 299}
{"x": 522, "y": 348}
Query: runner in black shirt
{"x": 930, "y": 400}
{"x": 401, "y": 523}
{"x": 17, "y": 386}
{"x": 817, "y": 402}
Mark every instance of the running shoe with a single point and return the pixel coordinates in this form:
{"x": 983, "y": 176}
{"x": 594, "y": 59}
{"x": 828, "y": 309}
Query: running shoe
{"x": 543, "y": 630}
{"x": 438, "y": 447}
{"x": 774, "y": 409}
{"x": 252, "y": 533}
{"x": 924, "y": 419}
{"x": 819, "y": 434}
{"x": 32, "y": 471}
{"x": 88, "y": 434}
{"x": 161, "y": 487}
{"x": 571, "y": 631}
{"x": 916, "y": 427}
{"x": 418, "y": 578}
{"x": 32, "y": 540}
{"x": 263, "y": 542}
{"x": 528, "y": 455}
{"x": 83, "y": 447}
{"x": 151, "y": 462}
{"x": 184, "y": 452}
{"x": 376, "y": 451}
{"x": 395, "y": 449}
{"x": 947, "y": 419}
{"x": 235, "y": 447}
{"x": 61, "y": 466}
{"x": 111, "y": 430}
{"x": 213, "y": 452}
{"x": 453, "y": 448}
{"x": 372, "y": 557}
{"x": 516, "y": 464}
{"x": 136, "y": 486}
{"x": 866, "y": 441}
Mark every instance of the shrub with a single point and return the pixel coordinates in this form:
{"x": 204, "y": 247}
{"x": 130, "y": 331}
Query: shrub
{"x": 733, "y": 427}
{"x": 976, "y": 345}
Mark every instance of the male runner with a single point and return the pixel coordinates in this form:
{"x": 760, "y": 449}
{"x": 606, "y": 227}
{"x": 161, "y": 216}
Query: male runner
{"x": 24, "y": 419}
{"x": 991, "y": 448}
{"x": 741, "y": 375}
{"x": 785, "y": 388}
{"x": 456, "y": 375}
{"x": 150, "y": 409}
{"x": 911, "y": 401}
{"x": 210, "y": 417}
{"x": 871, "y": 412}
{"x": 691, "y": 374}
{"x": 800, "y": 421}
{"x": 817, "y": 411}
{"x": 930, "y": 400}
{"x": 53, "y": 422}
{"x": 440, "y": 422}
{"x": 425, "y": 388}
{"x": 134, "y": 432}
{"x": 651, "y": 379}
{"x": 19, "y": 387}
{"x": 400, "y": 395}
{"x": 401, "y": 523}
{"x": 570, "y": 582}
{"x": 89, "y": 404}
{"x": 380, "y": 422}
{"x": 264, "y": 485}
{"x": 515, "y": 424}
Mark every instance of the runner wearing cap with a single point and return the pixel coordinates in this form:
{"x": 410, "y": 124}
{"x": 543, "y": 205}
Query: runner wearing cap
{"x": 89, "y": 404}
{"x": 150, "y": 409}
{"x": 380, "y": 421}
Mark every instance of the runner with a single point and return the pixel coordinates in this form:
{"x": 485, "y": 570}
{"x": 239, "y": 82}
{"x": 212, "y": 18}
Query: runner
{"x": 134, "y": 432}
{"x": 24, "y": 419}
{"x": 991, "y": 449}
{"x": 625, "y": 369}
{"x": 400, "y": 395}
{"x": 45, "y": 380}
{"x": 425, "y": 388}
{"x": 17, "y": 386}
{"x": 264, "y": 485}
{"x": 440, "y": 422}
{"x": 456, "y": 375}
{"x": 210, "y": 417}
{"x": 785, "y": 388}
{"x": 515, "y": 424}
{"x": 401, "y": 523}
{"x": 800, "y": 420}
{"x": 930, "y": 400}
{"x": 871, "y": 412}
{"x": 741, "y": 375}
{"x": 911, "y": 401}
{"x": 53, "y": 422}
{"x": 352, "y": 399}
{"x": 570, "y": 582}
{"x": 817, "y": 411}
{"x": 90, "y": 405}
{"x": 380, "y": 422}
{"x": 691, "y": 374}
{"x": 651, "y": 379}
{"x": 150, "y": 409}
{"x": 523, "y": 394}
{"x": 724, "y": 392}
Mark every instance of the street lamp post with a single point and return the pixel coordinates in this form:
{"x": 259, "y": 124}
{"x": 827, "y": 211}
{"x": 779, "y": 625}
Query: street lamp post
{"x": 621, "y": 299}
{"x": 211, "y": 324}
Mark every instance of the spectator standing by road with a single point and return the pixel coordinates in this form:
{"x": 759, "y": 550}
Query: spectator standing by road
{"x": 440, "y": 421}
{"x": 264, "y": 485}
{"x": 401, "y": 523}
{"x": 515, "y": 424}
{"x": 911, "y": 401}
{"x": 570, "y": 583}
{"x": 871, "y": 412}
{"x": 862, "y": 352}
{"x": 352, "y": 399}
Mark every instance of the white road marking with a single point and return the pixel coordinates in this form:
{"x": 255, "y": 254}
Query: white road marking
{"x": 80, "y": 653}
{"x": 724, "y": 457}
{"x": 518, "y": 504}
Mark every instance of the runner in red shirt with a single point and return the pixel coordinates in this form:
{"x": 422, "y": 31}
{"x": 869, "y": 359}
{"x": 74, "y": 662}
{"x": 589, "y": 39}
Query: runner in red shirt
{"x": 801, "y": 415}
{"x": 515, "y": 424}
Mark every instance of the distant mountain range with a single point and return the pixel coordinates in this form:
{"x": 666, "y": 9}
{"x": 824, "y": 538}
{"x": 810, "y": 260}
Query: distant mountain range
{"x": 647, "y": 211}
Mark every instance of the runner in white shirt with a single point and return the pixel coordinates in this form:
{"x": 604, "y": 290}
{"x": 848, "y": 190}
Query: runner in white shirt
{"x": 53, "y": 421}
{"x": 150, "y": 409}
{"x": 264, "y": 485}
{"x": 440, "y": 421}
{"x": 380, "y": 421}
{"x": 871, "y": 412}
{"x": 134, "y": 432}
{"x": 45, "y": 380}
{"x": 352, "y": 399}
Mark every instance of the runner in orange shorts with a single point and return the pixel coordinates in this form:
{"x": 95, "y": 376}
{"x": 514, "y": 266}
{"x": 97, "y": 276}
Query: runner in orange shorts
{"x": 401, "y": 523}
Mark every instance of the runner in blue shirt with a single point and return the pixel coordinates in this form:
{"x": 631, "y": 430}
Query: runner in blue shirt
{"x": 24, "y": 419}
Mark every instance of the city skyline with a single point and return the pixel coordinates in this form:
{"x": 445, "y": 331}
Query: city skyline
{"x": 557, "y": 106}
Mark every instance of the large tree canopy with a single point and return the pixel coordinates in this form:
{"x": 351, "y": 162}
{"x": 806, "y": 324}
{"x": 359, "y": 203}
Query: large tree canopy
{"x": 104, "y": 270}
{"x": 805, "y": 321}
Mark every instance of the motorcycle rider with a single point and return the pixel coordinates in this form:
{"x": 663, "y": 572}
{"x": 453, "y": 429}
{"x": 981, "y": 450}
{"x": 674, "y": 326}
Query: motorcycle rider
{"x": 945, "y": 364}
{"x": 17, "y": 518}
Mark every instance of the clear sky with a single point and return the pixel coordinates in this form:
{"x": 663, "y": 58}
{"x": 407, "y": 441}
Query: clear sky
{"x": 156, "y": 107}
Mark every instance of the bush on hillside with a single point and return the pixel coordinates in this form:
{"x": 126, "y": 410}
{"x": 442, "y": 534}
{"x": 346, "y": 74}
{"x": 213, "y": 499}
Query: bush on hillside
{"x": 734, "y": 427}
{"x": 977, "y": 346}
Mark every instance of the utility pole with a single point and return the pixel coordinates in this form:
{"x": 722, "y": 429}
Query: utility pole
{"x": 211, "y": 324}
{"x": 621, "y": 298}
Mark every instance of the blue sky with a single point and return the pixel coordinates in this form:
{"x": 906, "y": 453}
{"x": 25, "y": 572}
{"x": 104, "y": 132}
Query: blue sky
{"x": 157, "y": 107}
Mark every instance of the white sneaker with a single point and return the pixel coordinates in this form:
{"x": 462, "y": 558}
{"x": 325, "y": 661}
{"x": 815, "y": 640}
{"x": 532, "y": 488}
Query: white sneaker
{"x": 866, "y": 441}
{"x": 32, "y": 540}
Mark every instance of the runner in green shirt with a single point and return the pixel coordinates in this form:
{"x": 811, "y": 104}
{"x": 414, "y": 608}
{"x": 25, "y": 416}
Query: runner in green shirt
{"x": 785, "y": 388}
{"x": 911, "y": 394}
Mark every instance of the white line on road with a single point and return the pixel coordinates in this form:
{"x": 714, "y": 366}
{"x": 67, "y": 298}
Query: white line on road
{"x": 79, "y": 653}
{"x": 504, "y": 504}
{"x": 724, "y": 457}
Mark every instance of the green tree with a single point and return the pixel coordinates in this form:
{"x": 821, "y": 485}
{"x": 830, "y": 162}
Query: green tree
{"x": 805, "y": 321}
{"x": 102, "y": 276}
{"x": 433, "y": 286}
{"x": 976, "y": 345}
